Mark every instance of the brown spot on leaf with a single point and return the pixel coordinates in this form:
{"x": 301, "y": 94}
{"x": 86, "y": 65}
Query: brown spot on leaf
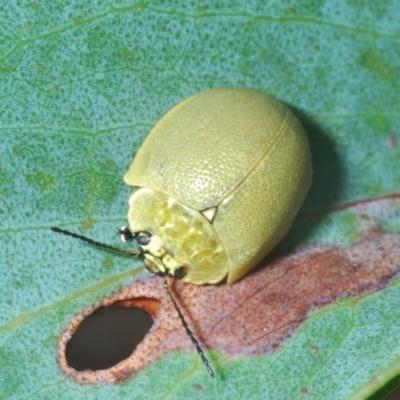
{"x": 254, "y": 315}
{"x": 304, "y": 391}
{"x": 87, "y": 224}
{"x": 197, "y": 388}
{"x": 315, "y": 349}
{"x": 391, "y": 142}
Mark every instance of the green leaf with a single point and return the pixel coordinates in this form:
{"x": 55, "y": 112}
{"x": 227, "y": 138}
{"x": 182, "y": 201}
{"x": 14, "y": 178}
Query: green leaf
{"x": 81, "y": 85}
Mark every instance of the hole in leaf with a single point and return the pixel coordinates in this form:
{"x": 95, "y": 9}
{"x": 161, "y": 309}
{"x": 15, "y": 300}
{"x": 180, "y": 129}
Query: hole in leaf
{"x": 107, "y": 336}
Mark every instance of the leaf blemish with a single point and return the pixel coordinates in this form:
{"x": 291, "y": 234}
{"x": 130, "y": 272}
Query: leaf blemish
{"x": 391, "y": 142}
{"x": 256, "y": 314}
{"x": 304, "y": 391}
{"x": 87, "y": 224}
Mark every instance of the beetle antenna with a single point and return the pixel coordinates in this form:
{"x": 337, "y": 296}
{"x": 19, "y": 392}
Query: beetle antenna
{"x": 166, "y": 285}
{"x": 188, "y": 331}
{"x": 94, "y": 242}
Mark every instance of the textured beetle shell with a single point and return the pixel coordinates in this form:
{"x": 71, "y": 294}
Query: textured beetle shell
{"x": 235, "y": 149}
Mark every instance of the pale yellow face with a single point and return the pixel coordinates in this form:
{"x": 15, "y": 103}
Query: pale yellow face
{"x": 223, "y": 176}
{"x": 181, "y": 237}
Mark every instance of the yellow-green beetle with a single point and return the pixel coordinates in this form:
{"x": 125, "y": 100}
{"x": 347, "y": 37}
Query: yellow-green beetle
{"x": 220, "y": 179}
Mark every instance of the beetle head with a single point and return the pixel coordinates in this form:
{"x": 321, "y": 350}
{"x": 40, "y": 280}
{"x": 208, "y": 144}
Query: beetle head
{"x": 157, "y": 260}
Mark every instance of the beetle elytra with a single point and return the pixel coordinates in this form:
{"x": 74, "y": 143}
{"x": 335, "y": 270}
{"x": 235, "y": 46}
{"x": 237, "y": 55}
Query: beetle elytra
{"x": 221, "y": 177}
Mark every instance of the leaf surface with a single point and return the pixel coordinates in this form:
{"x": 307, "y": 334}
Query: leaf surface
{"x": 81, "y": 85}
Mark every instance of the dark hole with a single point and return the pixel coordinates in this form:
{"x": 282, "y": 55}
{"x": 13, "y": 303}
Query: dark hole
{"x": 107, "y": 337}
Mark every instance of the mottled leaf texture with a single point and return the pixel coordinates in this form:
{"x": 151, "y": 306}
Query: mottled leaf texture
{"x": 81, "y": 84}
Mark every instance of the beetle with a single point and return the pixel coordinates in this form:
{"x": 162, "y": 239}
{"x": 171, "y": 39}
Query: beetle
{"x": 220, "y": 179}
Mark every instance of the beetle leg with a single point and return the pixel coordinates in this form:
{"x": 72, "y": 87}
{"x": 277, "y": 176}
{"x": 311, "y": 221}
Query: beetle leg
{"x": 154, "y": 264}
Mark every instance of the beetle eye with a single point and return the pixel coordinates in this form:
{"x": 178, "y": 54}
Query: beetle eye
{"x": 180, "y": 272}
{"x": 126, "y": 234}
{"x": 143, "y": 238}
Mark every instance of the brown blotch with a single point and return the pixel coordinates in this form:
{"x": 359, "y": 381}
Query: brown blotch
{"x": 391, "y": 142}
{"x": 254, "y": 315}
{"x": 315, "y": 349}
{"x": 304, "y": 391}
{"x": 197, "y": 388}
{"x": 87, "y": 224}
